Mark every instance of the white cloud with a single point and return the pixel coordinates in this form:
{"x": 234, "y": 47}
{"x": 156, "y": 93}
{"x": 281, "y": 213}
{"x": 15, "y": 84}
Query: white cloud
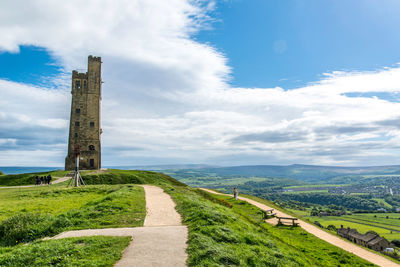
{"x": 166, "y": 96}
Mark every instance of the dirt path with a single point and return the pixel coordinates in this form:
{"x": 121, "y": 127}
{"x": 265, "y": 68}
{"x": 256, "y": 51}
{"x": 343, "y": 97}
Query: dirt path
{"x": 160, "y": 208}
{"x": 334, "y": 240}
{"x": 162, "y": 240}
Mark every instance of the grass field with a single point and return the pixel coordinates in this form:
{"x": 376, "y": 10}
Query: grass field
{"x": 83, "y": 251}
{"x": 363, "y": 222}
{"x": 27, "y": 178}
{"x": 314, "y": 185}
{"x": 31, "y": 213}
{"x": 307, "y": 191}
{"x": 96, "y": 204}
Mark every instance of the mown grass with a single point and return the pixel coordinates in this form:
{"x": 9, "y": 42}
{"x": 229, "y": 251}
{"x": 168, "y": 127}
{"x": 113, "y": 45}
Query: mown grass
{"x": 82, "y": 251}
{"x": 130, "y": 177}
{"x": 46, "y": 199}
{"x": 102, "y": 206}
{"x": 27, "y": 178}
{"x": 224, "y": 232}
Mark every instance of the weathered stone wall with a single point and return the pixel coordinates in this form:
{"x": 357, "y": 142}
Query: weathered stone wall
{"x": 84, "y": 129}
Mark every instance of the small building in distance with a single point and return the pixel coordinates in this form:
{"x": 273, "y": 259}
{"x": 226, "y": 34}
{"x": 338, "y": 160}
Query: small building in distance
{"x": 370, "y": 239}
{"x": 84, "y": 127}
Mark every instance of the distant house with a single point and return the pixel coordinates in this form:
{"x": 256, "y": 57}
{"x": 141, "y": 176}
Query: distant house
{"x": 370, "y": 239}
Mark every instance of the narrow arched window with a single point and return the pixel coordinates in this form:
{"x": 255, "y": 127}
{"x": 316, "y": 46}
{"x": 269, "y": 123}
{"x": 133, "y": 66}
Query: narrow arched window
{"x": 91, "y": 147}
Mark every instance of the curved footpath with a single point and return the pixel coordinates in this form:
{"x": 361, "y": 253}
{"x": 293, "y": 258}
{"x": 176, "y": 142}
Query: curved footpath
{"x": 162, "y": 240}
{"x": 334, "y": 240}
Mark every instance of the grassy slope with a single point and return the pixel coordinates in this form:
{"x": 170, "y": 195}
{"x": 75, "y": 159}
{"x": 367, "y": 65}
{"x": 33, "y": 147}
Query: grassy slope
{"x": 83, "y": 251}
{"x": 27, "y": 178}
{"x": 318, "y": 250}
{"x": 220, "y": 235}
{"x": 58, "y": 209}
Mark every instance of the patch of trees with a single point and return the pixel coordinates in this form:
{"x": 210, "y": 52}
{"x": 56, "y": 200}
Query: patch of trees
{"x": 355, "y": 203}
{"x": 393, "y": 200}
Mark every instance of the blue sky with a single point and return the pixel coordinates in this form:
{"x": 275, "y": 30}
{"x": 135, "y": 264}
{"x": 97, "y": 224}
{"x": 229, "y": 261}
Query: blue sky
{"x": 29, "y": 65}
{"x": 215, "y": 82}
{"x": 319, "y": 36}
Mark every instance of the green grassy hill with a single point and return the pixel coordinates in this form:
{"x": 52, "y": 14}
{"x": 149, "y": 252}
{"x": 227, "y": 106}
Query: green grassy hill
{"x": 222, "y": 232}
{"x": 27, "y": 178}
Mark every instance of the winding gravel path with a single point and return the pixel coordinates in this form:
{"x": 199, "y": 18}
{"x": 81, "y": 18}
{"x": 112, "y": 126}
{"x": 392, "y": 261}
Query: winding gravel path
{"x": 162, "y": 240}
{"x": 334, "y": 240}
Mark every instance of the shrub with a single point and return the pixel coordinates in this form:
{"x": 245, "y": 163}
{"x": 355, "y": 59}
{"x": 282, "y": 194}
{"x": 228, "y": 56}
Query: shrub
{"x": 318, "y": 224}
{"x": 331, "y": 228}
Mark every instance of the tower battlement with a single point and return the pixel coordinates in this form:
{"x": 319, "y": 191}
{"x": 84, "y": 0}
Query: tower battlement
{"x": 92, "y": 58}
{"x": 84, "y": 128}
{"x": 79, "y": 75}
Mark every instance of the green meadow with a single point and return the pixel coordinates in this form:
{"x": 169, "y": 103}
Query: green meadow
{"x": 71, "y": 252}
{"x": 27, "y": 178}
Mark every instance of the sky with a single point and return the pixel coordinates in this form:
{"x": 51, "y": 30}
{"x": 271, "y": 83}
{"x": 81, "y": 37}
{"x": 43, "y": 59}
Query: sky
{"x": 229, "y": 82}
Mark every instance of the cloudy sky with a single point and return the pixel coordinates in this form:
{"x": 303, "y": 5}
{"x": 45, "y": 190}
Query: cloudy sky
{"x": 230, "y": 82}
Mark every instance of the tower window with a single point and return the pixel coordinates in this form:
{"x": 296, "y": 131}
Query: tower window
{"x": 76, "y": 134}
{"x": 78, "y": 110}
{"x": 91, "y": 124}
{"x": 84, "y": 84}
{"x": 91, "y": 148}
{"x": 91, "y": 163}
{"x": 77, "y": 123}
{"x": 77, "y": 84}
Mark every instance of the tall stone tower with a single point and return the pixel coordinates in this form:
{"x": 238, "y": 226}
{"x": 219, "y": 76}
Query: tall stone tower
{"x": 84, "y": 127}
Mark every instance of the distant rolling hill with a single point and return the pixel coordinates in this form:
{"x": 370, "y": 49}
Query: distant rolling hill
{"x": 309, "y": 173}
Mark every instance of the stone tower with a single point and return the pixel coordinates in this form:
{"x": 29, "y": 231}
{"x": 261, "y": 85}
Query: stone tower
{"x": 84, "y": 126}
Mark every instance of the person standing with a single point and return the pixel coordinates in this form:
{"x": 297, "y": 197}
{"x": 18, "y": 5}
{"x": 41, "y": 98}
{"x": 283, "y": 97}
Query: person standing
{"x": 49, "y": 179}
{"x": 235, "y": 193}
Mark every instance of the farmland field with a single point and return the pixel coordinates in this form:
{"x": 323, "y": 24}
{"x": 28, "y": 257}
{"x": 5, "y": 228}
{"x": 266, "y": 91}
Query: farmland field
{"x": 386, "y": 227}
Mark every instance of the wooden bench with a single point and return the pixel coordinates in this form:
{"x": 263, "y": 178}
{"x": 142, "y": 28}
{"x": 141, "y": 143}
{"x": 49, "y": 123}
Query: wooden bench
{"x": 287, "y": 218}
{"x": 267, "y": 214}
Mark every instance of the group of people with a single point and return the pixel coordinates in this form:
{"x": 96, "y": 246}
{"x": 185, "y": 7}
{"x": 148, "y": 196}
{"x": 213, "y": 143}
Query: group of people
{"x": 43, "y": 180}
